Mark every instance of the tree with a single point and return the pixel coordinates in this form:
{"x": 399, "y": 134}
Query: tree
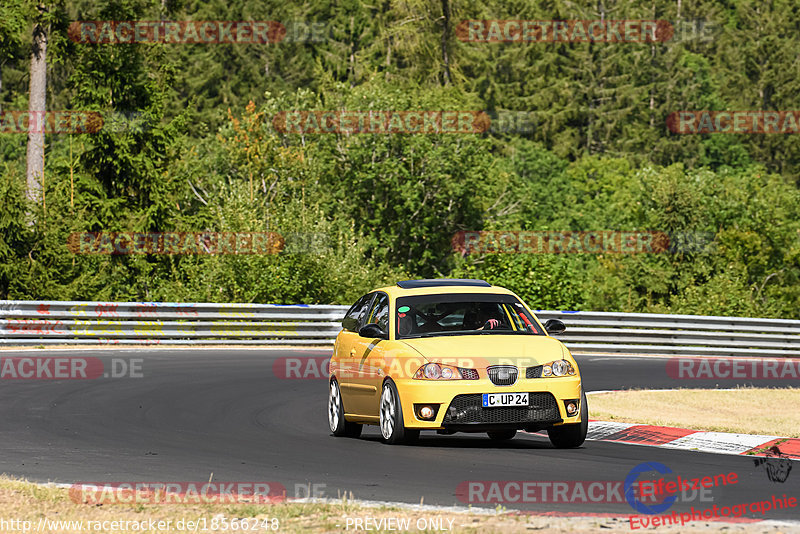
{"x": 12, "y": 27}
{"x": 37, "y": 106}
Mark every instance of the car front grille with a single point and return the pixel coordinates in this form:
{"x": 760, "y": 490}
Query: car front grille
{"x": 502, "y": 375}
{"x": 534, "y": 372}
{"x": 468, "y": 374}
{"x": 469, "y": 409}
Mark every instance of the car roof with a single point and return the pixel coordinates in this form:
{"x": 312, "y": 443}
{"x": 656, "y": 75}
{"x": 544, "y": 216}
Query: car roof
{"x": 442, "y": 285}
{"x": 436, "y": 282}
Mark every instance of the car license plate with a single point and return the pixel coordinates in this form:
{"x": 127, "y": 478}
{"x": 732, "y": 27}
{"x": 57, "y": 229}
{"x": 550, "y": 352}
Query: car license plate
{"x": 491, "y": 400}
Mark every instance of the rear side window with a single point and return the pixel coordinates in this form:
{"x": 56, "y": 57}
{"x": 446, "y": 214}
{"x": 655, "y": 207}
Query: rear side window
{"x": 357, "y": 313}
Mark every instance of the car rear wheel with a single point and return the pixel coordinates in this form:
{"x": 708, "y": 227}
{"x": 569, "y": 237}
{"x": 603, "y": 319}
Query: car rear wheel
{"x": 336, "y": 420}
{"x": 502, "y": 435}
{"x": 391, "y": 417}
{"x": 573, "y": 435}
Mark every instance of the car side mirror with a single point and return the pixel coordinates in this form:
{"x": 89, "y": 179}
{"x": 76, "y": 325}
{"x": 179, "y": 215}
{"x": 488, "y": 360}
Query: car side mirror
{"x": 348, "y": 323}
{"x": 555, "y": 326}
{"x": 372, "y": 330}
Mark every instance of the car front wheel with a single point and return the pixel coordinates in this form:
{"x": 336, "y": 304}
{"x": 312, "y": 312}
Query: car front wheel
{"x": 391, "y": 417}
{"x": 336, "y": 420}
{"x": 573, "y": 435}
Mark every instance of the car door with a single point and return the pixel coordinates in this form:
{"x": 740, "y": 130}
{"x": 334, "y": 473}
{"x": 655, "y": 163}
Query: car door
{"x": 369, "y": 351}
{"x": 346, "y": 361}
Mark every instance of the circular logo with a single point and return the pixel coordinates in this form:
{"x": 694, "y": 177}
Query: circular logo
{"x": 630, "y": 481}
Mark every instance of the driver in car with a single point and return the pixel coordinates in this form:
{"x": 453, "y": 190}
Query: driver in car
{"x": 488, "y": 316}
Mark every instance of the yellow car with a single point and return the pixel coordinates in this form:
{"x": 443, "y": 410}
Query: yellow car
{"x": 453, "y": 355}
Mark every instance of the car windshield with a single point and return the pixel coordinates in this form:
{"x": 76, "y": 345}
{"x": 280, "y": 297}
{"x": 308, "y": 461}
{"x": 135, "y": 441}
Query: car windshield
{"x": 463, "y": 314}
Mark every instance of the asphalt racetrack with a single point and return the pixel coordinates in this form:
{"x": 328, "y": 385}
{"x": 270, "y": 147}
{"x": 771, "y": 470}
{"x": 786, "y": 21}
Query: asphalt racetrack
{"x": 224, "y": 411}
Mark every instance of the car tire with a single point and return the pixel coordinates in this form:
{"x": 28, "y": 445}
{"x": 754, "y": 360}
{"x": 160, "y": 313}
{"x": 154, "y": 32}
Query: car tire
{"x": 572, "y": 435}
{"x": 391, "y": 417}
{"x": 502, "y": 435}
{"x": 336, "y": 421}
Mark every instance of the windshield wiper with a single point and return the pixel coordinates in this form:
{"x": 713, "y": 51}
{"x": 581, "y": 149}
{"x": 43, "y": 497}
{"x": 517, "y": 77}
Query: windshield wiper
{"x": 481, "y": 332}
{"x": 468, "y": 333}
{"x": 445, "y": 333}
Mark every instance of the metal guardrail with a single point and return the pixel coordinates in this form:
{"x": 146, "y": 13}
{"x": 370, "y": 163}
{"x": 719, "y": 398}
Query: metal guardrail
{"x": 702, "y": 335}
{"x": 54, "y": 322}
{"x": 64, "y": 323}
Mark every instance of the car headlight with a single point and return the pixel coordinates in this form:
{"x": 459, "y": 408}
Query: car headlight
{"x": 558, "y": 368}
{"x": 434, "y": 371}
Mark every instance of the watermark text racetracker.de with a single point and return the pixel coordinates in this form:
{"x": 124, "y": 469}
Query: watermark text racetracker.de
{"x": 381, "y": 122}
{"x": 191, "y": 493}
{"x": 404, "y": 122}
{"x": 319, "y": 367}
{"x": 197, "y": 32}
{"x": 561, "y": 491}
{"x": 310, "y": 368}
{"x": 736, "y": 122}
{"x": 184, "y": 31}
{"x": 734, "y": 368}
{"x": 585, "y": 31}
{"x": 68, "y": 368}
{"x": 198, "y": 243}
{"x": 580, "y": 242}
{"x": 73, "y": 122}
{"x": 179, "y": 243}
{"x": 555, "y": 31}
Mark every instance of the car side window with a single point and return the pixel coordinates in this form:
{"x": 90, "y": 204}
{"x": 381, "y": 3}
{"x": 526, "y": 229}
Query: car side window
{"x": 380, "y": 312}
{"x": 357, "y": 313}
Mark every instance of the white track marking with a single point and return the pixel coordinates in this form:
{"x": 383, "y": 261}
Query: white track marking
{"x": 720, "y": 442}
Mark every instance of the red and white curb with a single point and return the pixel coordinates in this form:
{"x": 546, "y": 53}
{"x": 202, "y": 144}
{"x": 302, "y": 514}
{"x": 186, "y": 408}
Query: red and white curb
{"x": 695, "y": 440}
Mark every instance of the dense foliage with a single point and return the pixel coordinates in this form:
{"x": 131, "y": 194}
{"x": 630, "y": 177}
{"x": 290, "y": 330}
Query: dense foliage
{"x": 195, "y": 150}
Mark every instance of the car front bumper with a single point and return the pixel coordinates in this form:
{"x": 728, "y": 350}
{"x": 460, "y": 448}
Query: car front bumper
{"x": 458, "y": 403}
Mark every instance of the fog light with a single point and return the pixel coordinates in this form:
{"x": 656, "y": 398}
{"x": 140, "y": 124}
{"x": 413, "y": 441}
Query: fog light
{"x": 426, "y": 412}
{"x": 572, "y": 408}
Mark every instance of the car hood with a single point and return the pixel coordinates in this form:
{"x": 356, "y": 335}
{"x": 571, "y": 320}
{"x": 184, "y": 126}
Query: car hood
{"x": 480, "y": 351}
